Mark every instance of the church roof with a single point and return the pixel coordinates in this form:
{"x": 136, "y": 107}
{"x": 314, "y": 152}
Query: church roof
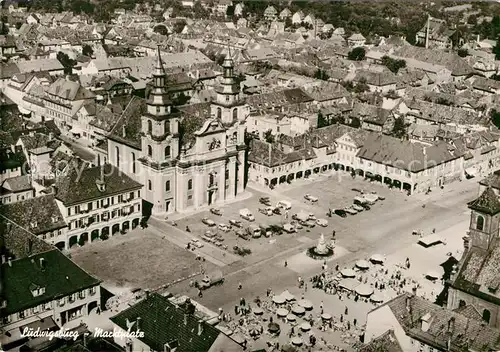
{"x": 486, "y": 203}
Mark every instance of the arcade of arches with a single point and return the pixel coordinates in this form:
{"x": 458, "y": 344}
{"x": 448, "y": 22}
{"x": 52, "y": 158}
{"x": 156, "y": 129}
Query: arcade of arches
{"x": 101, "y": 233}
{"x": 288, "y": 178}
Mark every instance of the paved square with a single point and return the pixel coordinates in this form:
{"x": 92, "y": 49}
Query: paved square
{"x": 137, "y": 259}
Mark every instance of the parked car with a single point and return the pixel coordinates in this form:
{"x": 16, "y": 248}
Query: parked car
{"x": 381, "y": 197}
{"x": 289, "y": 228}
{"x": 284, "y": 204}
{"x": 350, "y": 211}
{"x": 340, "y": 212}
{"x": 224, "y": 228}
{"x": 370, "y": 198}
{"x": 357, "y": 190}
{"x": 358, "y": 208}
{"x": 235, "y": 223}
{"x": 311, "y": 217}
{"x": 308, "y": 223}
{"x": 243, "y": 235}
{"x": 208, "y": 222}
{"x": 195, "y": 242}
{"x": 277, "y": 211}
{"x": 311, "y": 198}
{"x": 266, "y": 211}
{"x": 265, "y": 201}
{"x": 247, "y": 215}
{"x": 366, "y": 206}
{"x": 216, "y": 211}
{"x": 322, "y": 222}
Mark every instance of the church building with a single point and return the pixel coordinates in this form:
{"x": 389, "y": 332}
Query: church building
{"x": 184, "y": 162}
{"x": 474, "y": 286}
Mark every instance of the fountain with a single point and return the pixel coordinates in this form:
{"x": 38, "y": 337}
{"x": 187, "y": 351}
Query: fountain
{"x": 321, "y": 250}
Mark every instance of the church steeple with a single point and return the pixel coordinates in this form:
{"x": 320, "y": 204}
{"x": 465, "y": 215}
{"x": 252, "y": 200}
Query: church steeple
{"x": 228, "y": 85}
{"x": 159, "y": 104}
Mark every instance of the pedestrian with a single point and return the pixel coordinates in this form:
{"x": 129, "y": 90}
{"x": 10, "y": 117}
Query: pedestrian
{"x": 305, "y": 287}
{"x": 346, "y": 311}
{"x": 240, "y": 286}
{"x": 341, "y": 318}
{"x": 337, "y": 267}
{"x": 268, "y": 292}
{"x": 354, "y": 322}
{"x": 236, "y": 310}
{"x": 321, "y": 305}
{"x": 348, "y": 325}
{"x": 286, "y": 263}
{"x": 200, "y": 294}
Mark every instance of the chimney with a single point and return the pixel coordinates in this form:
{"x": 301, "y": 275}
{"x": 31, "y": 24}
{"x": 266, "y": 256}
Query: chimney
{"x": 30, "y": 245}
{"x": 10, "y": 261}
{"x": 424, "y": 150}
{"x": 51, "y": 136}
{"x": 31, "y": 133}
{"x": 466, "y": 239}
{"x": 9, "y": 226}
{"x": 42, "y": 264}
{"x": 4, "y": 259}
{"x": 426, "y": 322}
{"x": 451, "y": 325}
{"x": 124, "y": 132}
{"x": 408, "y": 303}
{"x": 185, "y": 318}
{"x": 146, "y": 291}
{"x": 200, "y": 327}
{"x": 138, "y": 323}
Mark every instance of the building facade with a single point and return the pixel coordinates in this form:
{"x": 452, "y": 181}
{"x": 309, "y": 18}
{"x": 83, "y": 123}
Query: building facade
{"x": 184, "y": 162}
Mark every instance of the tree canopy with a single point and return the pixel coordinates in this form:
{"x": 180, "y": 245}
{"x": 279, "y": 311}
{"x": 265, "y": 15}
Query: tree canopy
{"x": 357, "y": 54}
{"x": 394, "y": 65}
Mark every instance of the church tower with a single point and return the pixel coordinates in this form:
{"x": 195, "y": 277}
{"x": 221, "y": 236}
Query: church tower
{"x": 160, "y": 124}
{"x": 485, "y": 220}
{"x": 228, "y": 107}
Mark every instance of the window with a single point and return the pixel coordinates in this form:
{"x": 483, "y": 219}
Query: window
{"x": 158, "y": 109}
{"x": 486, "y": 315}
{"x": 167, "y": 186}
{"x": 480, "y": 223}
{"x": 133, "y": 163}
{"x": 131, "y": 196}
{"x": 167, "y": 152}
{"x": 461, "y": 303}
{"x": 92, "y": 291}
{"x": 235, "y": 113}
{"x": 190, "y": 185}
{"x": 219, "y": 113}
{"x": 166, "y": 128}
{"x": 150, "y": 186}
{"x": 117, "y": 152}
{"x": 150, "y": 151}
{"x": 150, "y": 127}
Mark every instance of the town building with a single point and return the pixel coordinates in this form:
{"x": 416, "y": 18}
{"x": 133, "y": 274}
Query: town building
{"x": 475, "y": 280}
{"x": 16, "y": 189}
{"x": 45, "y": 288}
{"x": 185, "y": 162}
{"x": 96, "y": 203}
{"x": 410, "y": 323}
{"x": 168, "y": 327}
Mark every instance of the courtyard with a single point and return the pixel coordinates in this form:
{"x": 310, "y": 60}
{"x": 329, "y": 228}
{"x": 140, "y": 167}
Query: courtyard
{"x": 139, "y": 259}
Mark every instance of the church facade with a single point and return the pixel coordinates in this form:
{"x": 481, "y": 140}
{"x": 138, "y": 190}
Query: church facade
{"x": 185, "y": 163}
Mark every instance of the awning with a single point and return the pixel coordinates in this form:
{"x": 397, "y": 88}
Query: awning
{"x": 23, "y": 110}
{"x": 430, "y": 240}
{"x": 44, "y": 324}
{"x": 471, "y": 171}
{"x": 349, "y": 284}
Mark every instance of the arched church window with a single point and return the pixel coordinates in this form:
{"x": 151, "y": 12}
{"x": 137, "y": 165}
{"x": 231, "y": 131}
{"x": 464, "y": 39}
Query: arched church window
{"x": 150, "y": 127}
{"x": 150, "y": 151}
{"x": 133, "y": 163}
{"x": 219, "y": 113}
{"x": 167, "y": 186}
{"x": 150, "y": 185}
{"x": 480, "y": 223}
{"x": 235, "y": 113}
{"x": 486, "y": 315}
{"x": 117, "y": 152}
{"x": 167, "y": 152}
{"x": 190, "y": 185}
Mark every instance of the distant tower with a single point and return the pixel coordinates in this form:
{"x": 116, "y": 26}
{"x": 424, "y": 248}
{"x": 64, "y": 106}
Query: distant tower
{"x": 228, "y": 106}
{"x": 485, "y": 220}
{"x": 427, "y": 31}
{"x": 160, "y": 125}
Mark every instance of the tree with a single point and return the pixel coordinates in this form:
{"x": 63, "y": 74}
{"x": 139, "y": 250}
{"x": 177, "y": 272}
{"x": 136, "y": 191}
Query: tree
{"x": 322, "y": 122}
{"x": 268, "y": 136}
{"x": 355, "y": 122}
{"x": 66, "y": 62}
{"x": 394, "y": 65}
{"x": 496, "y": 50}
{"x": 179, "y": 26}
{"x": 399, "y": 130}
{"x": 472, "y": 20}
{"x": 230, "y": 11}
{"x": 357, "y": 54}
{"x": 361, "y": 86}
{"x": 181, "y": 99}
{"x": 463, "y": 52}
{"x": 321, "y": 74}
{"x": 87, "y": 50}
{"x": 288, "y": 22}
{"x": 495, "y": 118}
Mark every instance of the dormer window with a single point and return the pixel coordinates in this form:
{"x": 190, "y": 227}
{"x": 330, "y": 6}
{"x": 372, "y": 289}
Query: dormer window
{"x": 33, "y": 224}
{"x": 37, "y": 291}
{"x": 101, "y": 186}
